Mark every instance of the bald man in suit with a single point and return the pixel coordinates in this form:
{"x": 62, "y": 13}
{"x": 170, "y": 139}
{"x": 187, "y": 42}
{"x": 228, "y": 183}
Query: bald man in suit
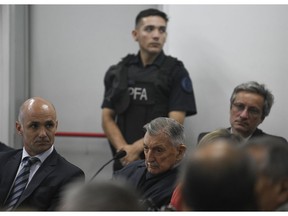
{"x": 37, "y": 124}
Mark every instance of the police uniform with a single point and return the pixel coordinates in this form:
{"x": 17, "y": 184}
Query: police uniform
{"x": 139, "y": 94}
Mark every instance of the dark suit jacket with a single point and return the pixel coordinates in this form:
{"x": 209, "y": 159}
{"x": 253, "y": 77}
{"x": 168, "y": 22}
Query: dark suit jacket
{"x": 155, "y": 190}
{"x": 44, "y": 189}
{"x": 4, "y": 147}
{"x": 257, "y": 133}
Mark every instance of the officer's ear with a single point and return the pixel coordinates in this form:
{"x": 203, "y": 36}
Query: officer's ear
{"x": 135, "y": 34}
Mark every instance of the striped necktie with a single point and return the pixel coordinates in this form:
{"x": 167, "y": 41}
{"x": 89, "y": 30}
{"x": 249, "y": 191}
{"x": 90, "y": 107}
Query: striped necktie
{"x": 20, "y": 182}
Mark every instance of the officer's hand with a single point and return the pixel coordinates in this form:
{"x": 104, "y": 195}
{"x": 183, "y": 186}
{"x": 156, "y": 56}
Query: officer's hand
{"x": 132, "y": 154}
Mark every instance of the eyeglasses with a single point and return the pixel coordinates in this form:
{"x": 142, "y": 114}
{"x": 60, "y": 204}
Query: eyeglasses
{"x": 252, "y": 111}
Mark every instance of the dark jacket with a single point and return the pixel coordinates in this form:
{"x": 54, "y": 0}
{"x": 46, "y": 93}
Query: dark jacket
{"x": 4, "y": 147}
{"x": 43, "y": 191}
{"x": 257, "y": 133}
{"x": 156, "y": 190}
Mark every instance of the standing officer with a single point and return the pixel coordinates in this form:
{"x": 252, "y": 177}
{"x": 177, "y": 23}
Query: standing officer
{"x": 144, "y": 86}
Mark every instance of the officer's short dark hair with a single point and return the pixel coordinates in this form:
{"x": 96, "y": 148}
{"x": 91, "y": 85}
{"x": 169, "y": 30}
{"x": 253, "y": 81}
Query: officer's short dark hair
{"x": 150, "y": 12}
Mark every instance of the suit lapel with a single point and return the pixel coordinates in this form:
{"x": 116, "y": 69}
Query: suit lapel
{"x": 44, "y": 170}
{"x": 257, "y": 133}
{"x": 11, "y": 168}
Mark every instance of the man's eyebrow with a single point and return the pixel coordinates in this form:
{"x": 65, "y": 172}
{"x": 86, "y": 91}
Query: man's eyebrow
{"x": 156, "y": 26}
{"x": 33, "y": 122}
{"x": 157, "y": 145}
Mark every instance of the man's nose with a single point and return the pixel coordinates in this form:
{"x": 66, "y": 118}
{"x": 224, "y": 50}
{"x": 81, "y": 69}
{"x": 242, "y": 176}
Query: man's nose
{"x": 149, "y": 155}
{"x": 42, "y": 132}
{"x": 156, "y": 34}
{"x": 244, "y": 113}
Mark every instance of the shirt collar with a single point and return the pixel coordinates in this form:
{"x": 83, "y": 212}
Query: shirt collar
{"x": 245, "y": 139}
{"x": 42, "y": 157}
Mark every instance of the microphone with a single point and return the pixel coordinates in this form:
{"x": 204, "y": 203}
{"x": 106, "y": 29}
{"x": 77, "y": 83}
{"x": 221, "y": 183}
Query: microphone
{"x": 117, "y": 156}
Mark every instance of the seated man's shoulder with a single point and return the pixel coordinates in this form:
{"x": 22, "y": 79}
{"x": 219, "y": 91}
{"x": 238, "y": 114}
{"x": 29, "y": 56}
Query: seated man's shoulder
{"x": 67, "y": 167}
{"x": 4, "y": 147}
{"x": 279, "y": 138}
{"x": 131, "y": 168}
{"x": 4, "y": 155}
{"x": 260, "y": 134}
{"x": 201, "y": 135}
{"x": 67, "y": 163}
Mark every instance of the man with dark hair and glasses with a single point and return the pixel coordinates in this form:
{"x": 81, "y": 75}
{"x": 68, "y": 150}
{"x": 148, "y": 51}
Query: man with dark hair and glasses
{"x": 250, "y": 103}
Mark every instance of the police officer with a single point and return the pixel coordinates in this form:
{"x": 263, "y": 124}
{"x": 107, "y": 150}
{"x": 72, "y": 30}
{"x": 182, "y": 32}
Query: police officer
{"x": 142, "y": 87}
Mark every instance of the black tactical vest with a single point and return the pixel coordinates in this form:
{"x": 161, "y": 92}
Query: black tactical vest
{"x": 119, "y": 94}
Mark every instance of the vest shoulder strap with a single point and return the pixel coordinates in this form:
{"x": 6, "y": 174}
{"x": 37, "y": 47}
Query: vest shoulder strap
{"x": 126, "y": 59}
{"x": 170, "y": 63}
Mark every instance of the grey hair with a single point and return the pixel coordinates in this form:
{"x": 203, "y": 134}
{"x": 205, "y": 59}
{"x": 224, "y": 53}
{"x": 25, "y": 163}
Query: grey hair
{"x": 257, "y": 88}
{"x": 170, "y": 127}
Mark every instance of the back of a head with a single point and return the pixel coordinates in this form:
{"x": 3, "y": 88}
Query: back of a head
{"x": 274, "y": 160}
{"x": 221, "y": 134}
{"x": 100, "y": 196}
{"x": 219, "y": 177}
{"x": 271, "y": 157}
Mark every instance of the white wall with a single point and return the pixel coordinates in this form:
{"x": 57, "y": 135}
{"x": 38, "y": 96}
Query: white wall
{"x": 14, "y": 78}
{"x": 4, "y": 74}
{"x": 223, "y": 46}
